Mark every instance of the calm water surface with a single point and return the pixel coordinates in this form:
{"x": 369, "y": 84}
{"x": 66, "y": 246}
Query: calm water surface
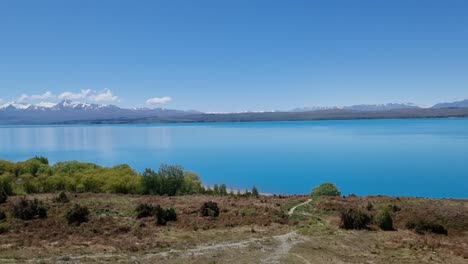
{"x": 423, "y": 157}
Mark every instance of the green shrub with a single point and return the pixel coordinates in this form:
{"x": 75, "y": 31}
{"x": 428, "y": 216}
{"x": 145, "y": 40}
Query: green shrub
{"x": 77, "y": 214}
{"x": 209, "y": 209}
{"x": 384, "y": 220}
{"x": 27, "y": 209}
{"x": 326, "y": 189}
{"x": 145, "y": 210}
{"x": 354, "y": 219}
{"x": 61, "y": 198}
{"x": 423, "y": 226}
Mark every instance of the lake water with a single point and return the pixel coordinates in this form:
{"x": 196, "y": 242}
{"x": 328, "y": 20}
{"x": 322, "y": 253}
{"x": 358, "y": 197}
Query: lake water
{"x": 417, "y": 157}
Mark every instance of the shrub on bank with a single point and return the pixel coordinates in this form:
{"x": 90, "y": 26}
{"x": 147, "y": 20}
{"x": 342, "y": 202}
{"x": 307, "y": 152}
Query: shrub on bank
{"x": 162, "y": 215}
{"x": 384, "y": 220}
{"x": 423, "y": 226}
{"x": 326, "y": 189}
{"x": 27, "y": 209}
{"x": 77, "y": 214}
{"x": 209, "y": 209}
{"x": 354, "y": 219}
{"x": 3, "y": 196}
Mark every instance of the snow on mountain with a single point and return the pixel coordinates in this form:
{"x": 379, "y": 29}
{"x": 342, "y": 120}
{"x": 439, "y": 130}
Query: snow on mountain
{"x": 362, "y": 107}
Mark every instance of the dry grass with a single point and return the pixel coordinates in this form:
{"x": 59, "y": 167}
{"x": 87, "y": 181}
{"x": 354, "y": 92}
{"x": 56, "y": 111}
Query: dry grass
{"x": 248, "y": 230}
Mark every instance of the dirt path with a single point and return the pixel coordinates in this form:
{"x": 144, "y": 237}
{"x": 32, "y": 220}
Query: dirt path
{"x": 282, "y": 246}
{"x": 291, "y": 211}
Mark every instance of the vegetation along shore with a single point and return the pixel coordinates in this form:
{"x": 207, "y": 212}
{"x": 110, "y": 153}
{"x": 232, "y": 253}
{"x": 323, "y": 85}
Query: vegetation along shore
{"x": 74, "y": 212}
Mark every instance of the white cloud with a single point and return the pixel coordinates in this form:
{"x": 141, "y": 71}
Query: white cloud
{"x": 46, "y": 95}
{"x": 1, "y": 100}
{"x": 25, "y": 97}
{"x": 103, "y": 96}
{"x": 73, "y": 96}
{"x": 158, "y": 100}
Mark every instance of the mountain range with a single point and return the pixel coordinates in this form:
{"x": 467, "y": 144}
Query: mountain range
{"x": 68, "y": 112}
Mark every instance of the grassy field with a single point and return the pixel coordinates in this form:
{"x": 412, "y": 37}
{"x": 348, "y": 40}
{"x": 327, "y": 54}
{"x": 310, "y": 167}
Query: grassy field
{"x": 248, "y": 230}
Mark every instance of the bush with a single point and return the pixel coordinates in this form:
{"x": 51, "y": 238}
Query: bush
{"x": 2, "y": 215}
{"x": 384, "y": 220}
{"x": 27, "y": 209}
{"x": 161, "y": 215}
{"x": 326, "y": 189}
{"x": 354, "y": 219}
{"x": 209, "y": 209}
{"x": 422, "y": 227}
{"x": 144, "y": 210}
{"x": 77, "y": 214}
{"x": 61, "y": 198}
{"x": 171, "y": 214}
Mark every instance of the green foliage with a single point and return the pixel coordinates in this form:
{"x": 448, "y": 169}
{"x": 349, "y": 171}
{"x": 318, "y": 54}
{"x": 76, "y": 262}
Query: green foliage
{"x": 209, "y": 209}
{"x": 170, "y": 180}
{"x": 326, "y": 189}
{"x": 384, "y": 220}
{"x": 61, "y": 198}
{"x": 354, "y": 219}
{"x": 27, "y": 209}
{"x": 6, "y": 184}
{"x": 37, "y": 176}
{"x": 424, "y": 226}
{"x": 77, "y": 214}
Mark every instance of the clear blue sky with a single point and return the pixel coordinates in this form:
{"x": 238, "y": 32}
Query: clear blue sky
{"x": 235, "y": 55}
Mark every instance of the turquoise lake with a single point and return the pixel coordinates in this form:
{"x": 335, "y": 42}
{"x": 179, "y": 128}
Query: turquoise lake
{"x": 412, "y": 157}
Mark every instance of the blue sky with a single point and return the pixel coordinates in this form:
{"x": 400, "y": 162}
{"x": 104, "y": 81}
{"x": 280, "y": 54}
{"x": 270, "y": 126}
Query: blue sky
{"x": 234, "y": 55}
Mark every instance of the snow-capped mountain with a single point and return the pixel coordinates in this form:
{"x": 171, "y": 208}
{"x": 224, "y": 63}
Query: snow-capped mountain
{"x": 381, "y": 107}
{"x": 64, "y": 111}
{"x": 362, "y": 107}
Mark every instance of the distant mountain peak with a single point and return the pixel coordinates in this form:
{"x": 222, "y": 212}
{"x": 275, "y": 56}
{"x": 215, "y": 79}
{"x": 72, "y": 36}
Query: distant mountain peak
{"x": 457, "y": 104}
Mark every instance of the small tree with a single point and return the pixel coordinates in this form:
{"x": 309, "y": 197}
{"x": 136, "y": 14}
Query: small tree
{"x": 384, "y": 220}
{"x": 326, "y": 189}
